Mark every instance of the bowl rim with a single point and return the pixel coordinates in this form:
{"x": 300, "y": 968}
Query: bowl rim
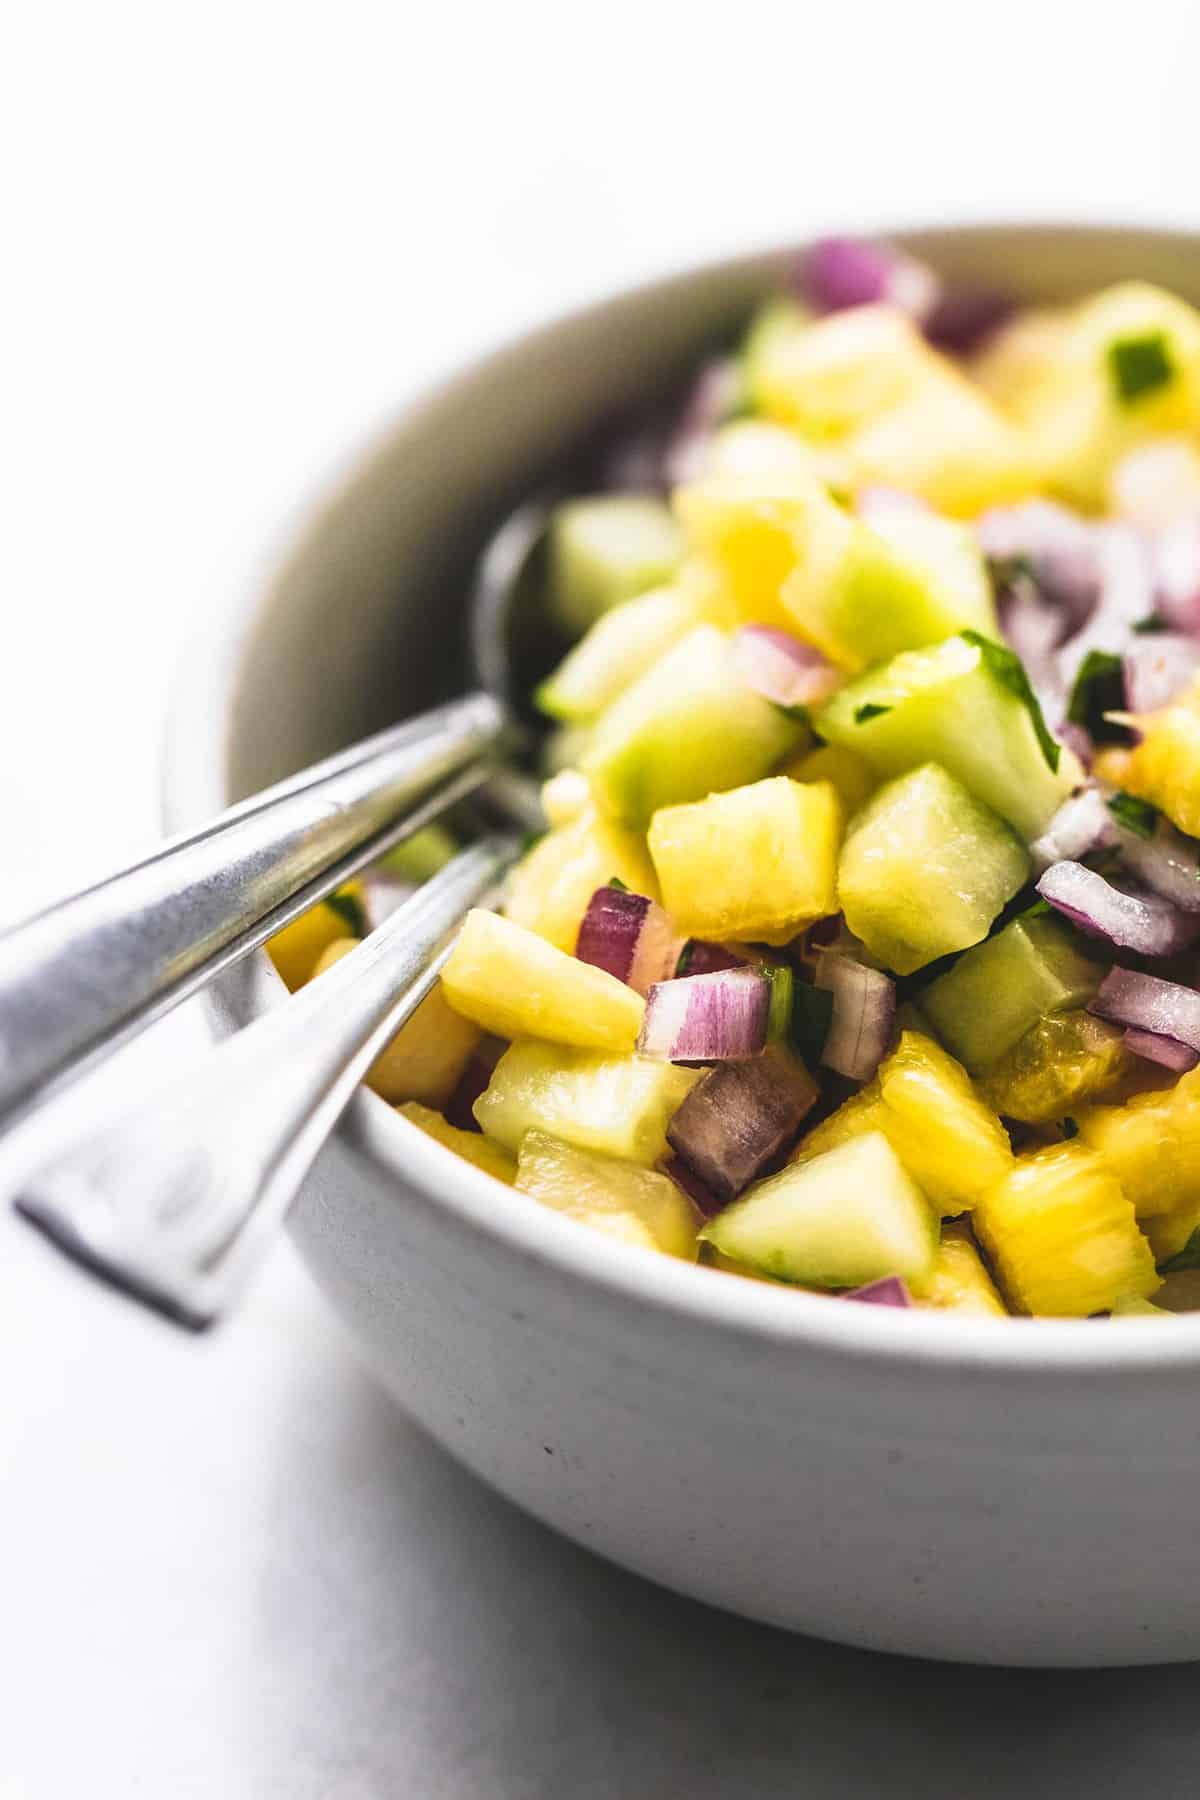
{"x": 197, "y": 738}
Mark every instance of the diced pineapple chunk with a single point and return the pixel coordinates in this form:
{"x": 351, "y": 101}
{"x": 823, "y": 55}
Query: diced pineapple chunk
{"x": 1157, "y": 483}
{"x": 549, "y": 890}
{"x": 563, "y": 798}
{"x": 487, "y": 1155}
{"x": 1066, "y": 1059}
{"x": 758, "y": 863}
{"x": 952, "y": 1145}
{"x": 298, "y": 948}
{"x": 1013, "y": 363}
{"x": 832, "y": 375}
{"x": 1165, "y": 767}
{"x": 426, "y": 1059}
{"x": 685, "y": 729}
{"x": 751, "y": 528}
{"x": 515, "y": 984}
{"x": 608, "y": 1195}
{"x": 852, "y": 780}
{"x": 925, "y": 868}
{"x": 839, "y": 1220}
{"x": 960, "y": 1282}
{"x": 948, "y": 443}
{"x": 757, "y": 447}
{"x": 1152, "y": 1144}
{"x": 1062, "y": 1236}
{"x": 618, "y": 1105}
{"x": 621, "y": 645}
{"x": 1171, "y": 1232}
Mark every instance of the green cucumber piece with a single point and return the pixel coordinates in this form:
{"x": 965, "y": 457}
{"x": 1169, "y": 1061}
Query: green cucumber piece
{"x": 998, "y": 991}
{"x": 957, "y": 704}
{"x": 607, "y": 548}
{"x": 925, "y": 868}
{"x": 898, "y": 584}
{"x": 619, "y": 647}
{"x": 775, "y": 320}
{"x": 616, "y": 1105}
{"x": 685, "y": 730}
{"x": 421, "y": 855}
{"x": 845, "y": 1218}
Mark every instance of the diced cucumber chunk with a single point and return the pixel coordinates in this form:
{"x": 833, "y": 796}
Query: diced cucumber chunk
{"x": 925, "y": 868}
{"x": 618, "y": 1105}
{"x": 902, "y": 582}
{"x": 619, "y": 647}
{"x": 955, "y": 704}
{"x": 421, "y": 855}
{"x": 999, "y": 990}
{"x": 607, "y": 548}
{"x": 774, "y": 322}
{"x": 684, "y": 730}
{"x": 842, "y": 1219}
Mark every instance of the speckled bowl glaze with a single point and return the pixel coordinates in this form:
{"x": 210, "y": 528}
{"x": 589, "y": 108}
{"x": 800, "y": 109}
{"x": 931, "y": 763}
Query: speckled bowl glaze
{"x": 980, "y": 1490}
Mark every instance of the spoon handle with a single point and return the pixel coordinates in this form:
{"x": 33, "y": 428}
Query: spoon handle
{"x": 91, "y": 970}
{"x": 177, "y": 1202}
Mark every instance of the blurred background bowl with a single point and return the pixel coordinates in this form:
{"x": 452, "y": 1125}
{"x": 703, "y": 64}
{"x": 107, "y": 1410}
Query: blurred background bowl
{"x": 969, "y": 1489}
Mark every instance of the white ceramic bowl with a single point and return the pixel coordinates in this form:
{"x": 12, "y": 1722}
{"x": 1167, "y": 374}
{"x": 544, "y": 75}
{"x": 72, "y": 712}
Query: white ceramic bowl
{"x": 984, "y": 1490}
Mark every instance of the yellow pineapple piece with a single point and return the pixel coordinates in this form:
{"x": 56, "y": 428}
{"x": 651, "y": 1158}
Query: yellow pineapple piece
{"x": 948, "y": 443}
{"x": 426, "y": 1058}
{"x": 619, "y": 1106}
{"x": 1014, "y": 362}
{"x": 1165, "y": 767}
{"x": 487, "y": 1155}
{"x": 852, "y": 779}
{"x": 748, "y": 530}
{"x": 757, "y": 447}
{"x": 1061, "y": 1235}
{"x": 636, "y": 1204}
{"x": 549, "y": 890}
{"x": 758, "y": 862}
{"x": 1157, "y": 483}
{"x": 515, "y": 984}
{"x": 565, "y": 796}
{"x": 1169, "y": 1233}
{"x": 923, "y": 1102}
{"x": 830, "y": 376}
{"x": 1064, "y": 1060}
{"x": 297, "y": 949}
{"x": 1151, "y": 1143}
{"x": 949, "y": 1140}
{"x": 960, "y": 1281}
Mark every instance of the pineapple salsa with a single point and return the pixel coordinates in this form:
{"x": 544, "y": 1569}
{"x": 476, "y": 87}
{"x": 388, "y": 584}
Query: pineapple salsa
{"x": 862, "y": 952}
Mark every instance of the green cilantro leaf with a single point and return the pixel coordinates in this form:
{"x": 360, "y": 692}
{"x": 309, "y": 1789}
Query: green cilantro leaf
{"x": 349, "y": 909}
{"x": 1135, "y": 815}
{"x": 614, "y": 881}
{"x": 1140, "y": 365}
{"x": 1007, "y": 668}
{"x": 812, "y": 1011}
{"x": 869, "y": 710}
{"x": 1152, "y": 623}
{"x": 1099, "y": 688}
{"x": 1070, "y": 1129}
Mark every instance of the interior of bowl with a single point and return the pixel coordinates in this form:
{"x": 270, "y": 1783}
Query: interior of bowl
{"x": 364, "y": 621}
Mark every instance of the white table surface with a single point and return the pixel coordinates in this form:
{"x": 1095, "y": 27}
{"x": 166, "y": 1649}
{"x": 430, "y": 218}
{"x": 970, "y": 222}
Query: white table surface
{"x": 234, "y": 244}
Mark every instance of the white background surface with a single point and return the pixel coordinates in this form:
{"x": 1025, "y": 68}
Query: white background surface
{"x": 235, "y": 240}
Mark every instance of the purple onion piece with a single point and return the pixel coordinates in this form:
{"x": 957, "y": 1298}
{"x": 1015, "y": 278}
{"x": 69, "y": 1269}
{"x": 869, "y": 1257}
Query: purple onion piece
{"x": 889, "y": 1290}
{"x": 964, "y": 318}
{"x": 1126, "y": 597}
{"x": 842, "y": 272}
{"x": 1176, "y": 561}
{"x": 628, "y": 936}
{"x": 1133, "y": 920}
{"x": 707, "y": 1018}
{"x": 1059, "y": 548}
{"x": 781, "y": 668}
{"x": 737, "y": 1120}
{"x": 1082, "y": 824}
{"x": 712, "y": 398}
{"x": 1167, "y": 863}
{"x": 701, "y": 1196}
{"x": 1167, "y": 1052}
{"x": 699, "y": 957}
{"x": 864, "y": 1015}
{"x": 1078, "y": 739}
{"x": 1164, "y": 1009}
{"x": 1156, "y": 668}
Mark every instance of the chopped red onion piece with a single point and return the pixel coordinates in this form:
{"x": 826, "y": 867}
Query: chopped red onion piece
{"x": 864, "y": 1014}
{"x": 1146, "y": 1003}
{"x": 889, "y": 1290}
{"x": 1078, "y": 739}
{"x": 1165, "y": 1051}
{"x": 778, "y": 666}
{"x": 707, "y": 1018}
{"x": 629, "y": 936}
{"x": 1127, "y": 596}
{"x": 1168, "y": 863}
{"x": 699, "y": 957}
{"x": 843, "y": 272}
{"x": 1142, "y": 922}
{"x": 1059, "y": 548}
{"x": 1176, "y": 554}
{"x": 702, "y": 1197}
{"x": 712, "y": 399}
{"x": 738, "y": 1119}
{"x": 1081, "y": 824}
{"x": 1154, "y": 484}
{"x": 965, "y": 317}
{"x": 1157, "y": 667}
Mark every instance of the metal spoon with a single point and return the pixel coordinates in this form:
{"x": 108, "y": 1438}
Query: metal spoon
{"x": 176, "y": 1202}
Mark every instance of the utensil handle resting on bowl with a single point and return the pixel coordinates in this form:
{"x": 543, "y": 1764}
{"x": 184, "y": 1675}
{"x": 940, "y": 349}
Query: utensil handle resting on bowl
{"x": 176, "y": 1202}
{"x": 92, "y": 969}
